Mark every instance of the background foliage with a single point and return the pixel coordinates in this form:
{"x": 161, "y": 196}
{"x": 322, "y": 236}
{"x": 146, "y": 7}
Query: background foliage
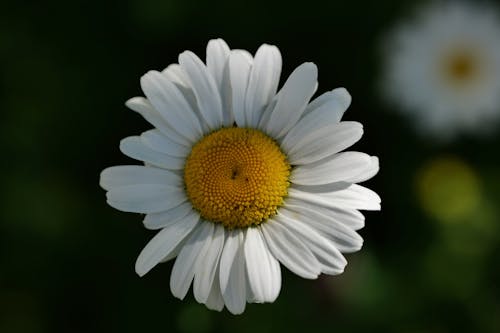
{"x": 430, "y": 260}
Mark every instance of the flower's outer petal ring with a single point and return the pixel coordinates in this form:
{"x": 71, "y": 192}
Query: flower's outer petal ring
{"x": 207, "y": 265}
{"x": 172, "y": 105}
{"x": 324, "y": 141}
{"x": 145, "y": 198}
{"x": 133, "y": 147}
{"x": 263, "y": 83}
{"x": 290, "y": 251}
{"x": 337, "y": 101}
{"x": 123, "y": 175}
{"x": 163, "y": 243}
{"x": 264, "y": 272}
{"x": 292, "y": 100}
{"x": 331, "y": 260}
{"x": 185, "y": 265}
{"x": 341, "y": 167}
{"x": 205, "y": 89}
{"x": 163, "y": 219}
{"x": 232, "y": 274}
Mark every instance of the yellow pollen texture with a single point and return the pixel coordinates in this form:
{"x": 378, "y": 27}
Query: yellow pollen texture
{"x": 237, "y": 177}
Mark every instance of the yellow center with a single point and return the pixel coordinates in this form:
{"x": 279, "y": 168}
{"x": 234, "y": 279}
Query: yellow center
{"x": 461, "y": 66}
{"x": 237, "y": 177}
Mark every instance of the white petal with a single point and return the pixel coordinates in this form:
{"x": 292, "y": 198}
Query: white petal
{"x": 341, "y": 167}
{"x": 133, "y": 147}
{"x": 357, "y": 197}
{"x": 205, "y": 89}
{"x": 145, "y": 109}
{"x": 263, "y": 82}
{"x": 185, "y": 264}
{"x": 231, "y": 246}
{"x": 354, "y": 197}
{"x": 155, "y": 140}
{"x": 323, "y": 188}
{"x": 174, "y": 73}
{"x": 233, "y": 277}
{"x": 337, "y": 100}
{"x": 162, "y": 219}
{"x": 292, "y": 100}
{"x": 163, "y": 243}
{"x": 290, "y": 251}
{"x": 325, "y": 115}
{"x": 207, "y": 265}
{"x": 264, "y": 272}
{"x": 171, "y": 104}
{"x": 351, "y": 218}
{"x": 367, "y": 173}
{"x": 124, "y": 175}
{"x": 145, "y": 198}
{"x": 324, "y": 141}
{"x": 331, "y": 260}
{"x": 239, "y": 73}
{"x": 215, "y": 300}
{"x": 345, "y": 239}
{"x": 217, "y": 54}
{"x": 218, "y": 67}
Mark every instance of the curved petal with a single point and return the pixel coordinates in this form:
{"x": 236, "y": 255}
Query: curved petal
{"x": 124, "y": 175}
{"x": 353, "y": 197}
{"x": 155, "y": 140}
{"x": 351, "y": 218}
{"x": 145, "y": 198}
{"x": 325, "y": 141}
{"x": 142, "y": 106}
{"x": 367, "y": 173}
{"x": 326, "y": 114}
{"x": 133, "y": 147}
{"x": 205, "y": 89}
{"x": 263, "y": 82}
{"x": 341, "y": 167}
{"x": 207, "y": 265}
{"x": 173, "y": 215}
{"x": 163, "y": 243}
{"x": 239, "y": 73}
{"x": 345, "y": 239}
{"x": 331, "y": 260}
{"x": 175, "y": 74}
{"x": 185, "y": 264}
{"x": 264, "y": 273}
{"x": 337, "y": 100}
{"x": 218, "y": 67}
{"x": 232, "y": 274}
{"x": 290, "y": 251}
{"x": 215, "y": 300}
{"x": 292, "y": 100}
{"x": 171, "y": 104}
{"x": 217, "y": 55}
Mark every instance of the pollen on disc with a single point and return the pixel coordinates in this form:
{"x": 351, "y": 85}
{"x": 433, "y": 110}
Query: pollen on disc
{"x": 237, "y": 177}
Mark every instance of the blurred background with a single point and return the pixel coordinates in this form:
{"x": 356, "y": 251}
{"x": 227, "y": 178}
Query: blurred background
{"x": 430, "y": 260}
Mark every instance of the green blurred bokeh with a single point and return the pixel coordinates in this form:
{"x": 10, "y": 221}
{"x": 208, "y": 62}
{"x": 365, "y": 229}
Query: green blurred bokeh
{"x": 430, "y": 260}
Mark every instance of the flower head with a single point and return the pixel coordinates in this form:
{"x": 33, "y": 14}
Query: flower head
{"x": 443, "y": 68}
{"x": 239, "y": 178}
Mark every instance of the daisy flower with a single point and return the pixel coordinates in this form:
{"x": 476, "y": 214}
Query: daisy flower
{"x": 240, "y": 178}
{"x": 443, "y": 68}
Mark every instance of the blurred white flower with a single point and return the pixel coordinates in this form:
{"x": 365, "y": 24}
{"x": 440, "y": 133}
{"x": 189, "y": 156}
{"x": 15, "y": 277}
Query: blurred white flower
{"x": 443, "y": 68}
{"x": 240, "y": 178}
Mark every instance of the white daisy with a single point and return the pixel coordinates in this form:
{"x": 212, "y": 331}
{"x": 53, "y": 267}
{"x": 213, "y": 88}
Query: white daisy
{"x": 239, "y": 178}
{"x": 444, "y": 68}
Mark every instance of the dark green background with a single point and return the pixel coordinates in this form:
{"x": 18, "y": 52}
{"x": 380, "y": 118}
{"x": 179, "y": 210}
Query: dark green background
{"x": 67, "y": 259}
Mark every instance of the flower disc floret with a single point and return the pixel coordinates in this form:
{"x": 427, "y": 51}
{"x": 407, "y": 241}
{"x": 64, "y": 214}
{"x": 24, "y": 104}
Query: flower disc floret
{"x": 237, "y": 177}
